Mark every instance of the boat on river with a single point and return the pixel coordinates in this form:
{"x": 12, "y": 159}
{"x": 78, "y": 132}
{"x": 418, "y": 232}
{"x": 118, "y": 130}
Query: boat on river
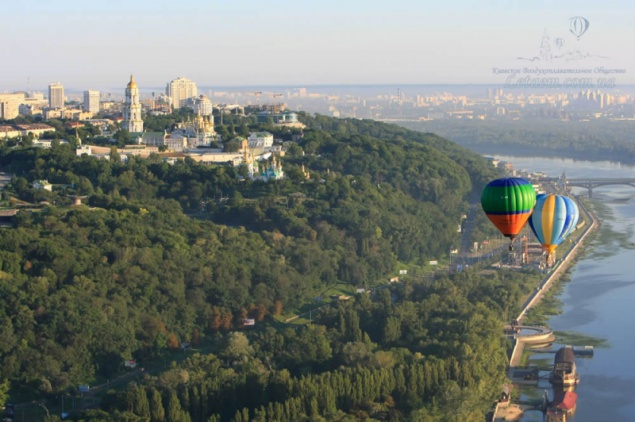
{"x": 562, "y": 407}
{"x": 564, "y": 370}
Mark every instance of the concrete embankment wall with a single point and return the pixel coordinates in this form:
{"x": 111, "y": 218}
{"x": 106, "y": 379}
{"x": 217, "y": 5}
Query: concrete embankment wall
{"x": 517, "y": 351}
{"x": 560, "y": 267}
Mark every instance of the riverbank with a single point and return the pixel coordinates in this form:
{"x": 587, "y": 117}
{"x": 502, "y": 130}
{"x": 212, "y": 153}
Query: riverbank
{"x": 514, "y": 412}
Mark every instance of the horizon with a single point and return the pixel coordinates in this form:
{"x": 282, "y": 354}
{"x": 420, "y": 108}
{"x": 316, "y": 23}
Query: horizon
{"x": 245, "y": 44}
{"x": 353, "y": 89}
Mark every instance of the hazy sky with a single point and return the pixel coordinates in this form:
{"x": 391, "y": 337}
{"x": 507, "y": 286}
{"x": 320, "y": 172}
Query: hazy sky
{"x": 97, "y": 44}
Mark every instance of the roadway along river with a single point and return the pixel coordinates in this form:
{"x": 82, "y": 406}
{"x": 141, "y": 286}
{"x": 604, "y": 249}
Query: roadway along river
{"x": 599, "y": 301}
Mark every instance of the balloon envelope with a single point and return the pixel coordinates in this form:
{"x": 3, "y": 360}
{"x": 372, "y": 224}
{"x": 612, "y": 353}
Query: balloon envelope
{"x": 578, "y": 26}
{"x": 508, "y": 203}
{"x": 573, "y": 215}
{"x": 554, "y": 217}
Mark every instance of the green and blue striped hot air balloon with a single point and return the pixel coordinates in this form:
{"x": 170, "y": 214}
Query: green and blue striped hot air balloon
{"x": 508, "y": 203}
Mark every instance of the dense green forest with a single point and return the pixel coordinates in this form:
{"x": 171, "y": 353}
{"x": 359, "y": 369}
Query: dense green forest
{"x": 591, "y": 140}
{"x": 166, "y": 254}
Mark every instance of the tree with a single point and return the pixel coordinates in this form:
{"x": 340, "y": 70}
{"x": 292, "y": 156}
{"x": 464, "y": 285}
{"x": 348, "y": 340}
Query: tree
{"x": 157, "y": 412}
{"x": 232, "y": 146}
{"x": 141, "y": 405}
{"x": 237, "y": 346}
{"x": 122, "y": 136}
{"x": 4, "y": 392}
{"x": 174, "y": 411}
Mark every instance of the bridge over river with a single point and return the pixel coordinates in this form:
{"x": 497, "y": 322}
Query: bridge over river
{"x": 588, "y": 182}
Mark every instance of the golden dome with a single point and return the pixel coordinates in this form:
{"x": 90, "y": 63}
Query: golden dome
{"x": 132, "y": 84}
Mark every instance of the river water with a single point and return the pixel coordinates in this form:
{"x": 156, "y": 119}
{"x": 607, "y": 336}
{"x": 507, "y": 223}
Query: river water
{"x": 599, "y": 301}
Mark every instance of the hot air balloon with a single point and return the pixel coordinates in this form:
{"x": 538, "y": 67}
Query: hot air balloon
{"x": 578, "y": 26}
{"x": 554, "y": 217}
{"x": 559, "y": 42}
{"x": 508, "y": 203}
{"x": 573, "y": 215}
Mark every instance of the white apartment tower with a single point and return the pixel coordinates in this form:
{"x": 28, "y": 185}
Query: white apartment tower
{"x": 56, "y": 95}
{"x": 91, "y": 101}
{"x": 132, "y": 109}
{"x": 179, "y": 90}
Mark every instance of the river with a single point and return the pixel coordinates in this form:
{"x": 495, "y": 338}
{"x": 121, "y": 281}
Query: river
{"x": 599, "y": 301}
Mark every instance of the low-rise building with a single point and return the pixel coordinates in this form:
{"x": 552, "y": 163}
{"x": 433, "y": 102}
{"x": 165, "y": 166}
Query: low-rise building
{"x": 8, "y": 131}
{"x": 260, "y": 140}
{"x": 42, "y": 143}
{"x": 42, "y": 185}
{"x": 36, "y": 129}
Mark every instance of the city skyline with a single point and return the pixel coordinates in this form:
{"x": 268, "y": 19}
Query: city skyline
{"x": 98, "y": 45}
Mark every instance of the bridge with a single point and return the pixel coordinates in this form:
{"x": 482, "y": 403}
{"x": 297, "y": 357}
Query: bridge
{"x": 589, "y": 182}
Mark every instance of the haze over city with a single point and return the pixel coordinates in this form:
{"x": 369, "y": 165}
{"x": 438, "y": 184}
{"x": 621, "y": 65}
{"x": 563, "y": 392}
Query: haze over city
{"x": 97, "y": 45}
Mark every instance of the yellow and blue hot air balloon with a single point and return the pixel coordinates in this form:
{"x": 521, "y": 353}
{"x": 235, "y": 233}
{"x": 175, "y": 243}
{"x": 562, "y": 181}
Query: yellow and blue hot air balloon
{"x": 553, "y": 219}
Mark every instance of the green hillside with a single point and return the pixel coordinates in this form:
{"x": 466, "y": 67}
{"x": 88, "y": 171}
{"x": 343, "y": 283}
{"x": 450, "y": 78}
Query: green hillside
{"x": 165, "y": 254}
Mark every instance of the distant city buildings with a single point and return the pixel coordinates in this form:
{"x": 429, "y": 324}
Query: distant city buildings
{"x": 91, "y": 101}
{"x": 201, "y": 105}
{"x": 132, "y": 121}
{"x": 10, "y": 105}
{"x": 56, "y": 95}
{"x": 180, "y": 90}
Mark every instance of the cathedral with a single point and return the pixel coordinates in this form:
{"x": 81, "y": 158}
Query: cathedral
{"x": 273, "y": 172}
{"x": 132, "y": 109}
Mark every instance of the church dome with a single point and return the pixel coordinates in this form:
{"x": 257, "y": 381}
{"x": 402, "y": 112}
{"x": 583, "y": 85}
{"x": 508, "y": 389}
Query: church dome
{"x": 132, "y": 84}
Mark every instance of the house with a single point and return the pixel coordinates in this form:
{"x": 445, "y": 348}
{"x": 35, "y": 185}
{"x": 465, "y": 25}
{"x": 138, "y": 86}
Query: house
{"x": 130, "y": 364}
{"x": 42, "y": 184}
{"x": 7, "y": 132}
{"x": 260, "y": 140}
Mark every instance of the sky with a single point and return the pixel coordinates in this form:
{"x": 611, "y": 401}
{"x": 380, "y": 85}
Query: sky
{"x": 98, "y": 44}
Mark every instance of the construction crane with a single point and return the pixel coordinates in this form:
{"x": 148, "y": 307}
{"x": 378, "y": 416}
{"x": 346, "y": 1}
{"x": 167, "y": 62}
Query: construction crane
{"x": 276, "y": 105}
{"x": 257, "y": 94}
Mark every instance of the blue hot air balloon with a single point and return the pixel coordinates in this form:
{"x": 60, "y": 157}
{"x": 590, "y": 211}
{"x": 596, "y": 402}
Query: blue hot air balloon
{"x": 573, "y": 215}
{"x": 578, "y": 26}
{"x": 554, "y": 217}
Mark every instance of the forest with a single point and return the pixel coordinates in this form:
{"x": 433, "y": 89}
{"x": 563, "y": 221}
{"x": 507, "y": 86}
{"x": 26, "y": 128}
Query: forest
{"x": 601, "y": 139}
{"x": 160, "y": 256}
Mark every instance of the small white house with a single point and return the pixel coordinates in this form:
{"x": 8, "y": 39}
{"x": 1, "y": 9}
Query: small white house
{"x": 42, "y": 184}
{"x": 260, "y": 140}
{"x": 130, "y": 363}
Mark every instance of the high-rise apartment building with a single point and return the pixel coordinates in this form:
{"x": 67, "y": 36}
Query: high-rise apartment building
{"x": 132, "y": 109}
{"x": 56, "y": 95}
{"x": 10, "y": 105}
{"x": 179, "y": 90}
{"x": 91, "y": 101}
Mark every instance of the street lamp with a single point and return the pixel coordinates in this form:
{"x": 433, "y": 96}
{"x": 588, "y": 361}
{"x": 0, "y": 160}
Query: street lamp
{"x": 39, "y": 403}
